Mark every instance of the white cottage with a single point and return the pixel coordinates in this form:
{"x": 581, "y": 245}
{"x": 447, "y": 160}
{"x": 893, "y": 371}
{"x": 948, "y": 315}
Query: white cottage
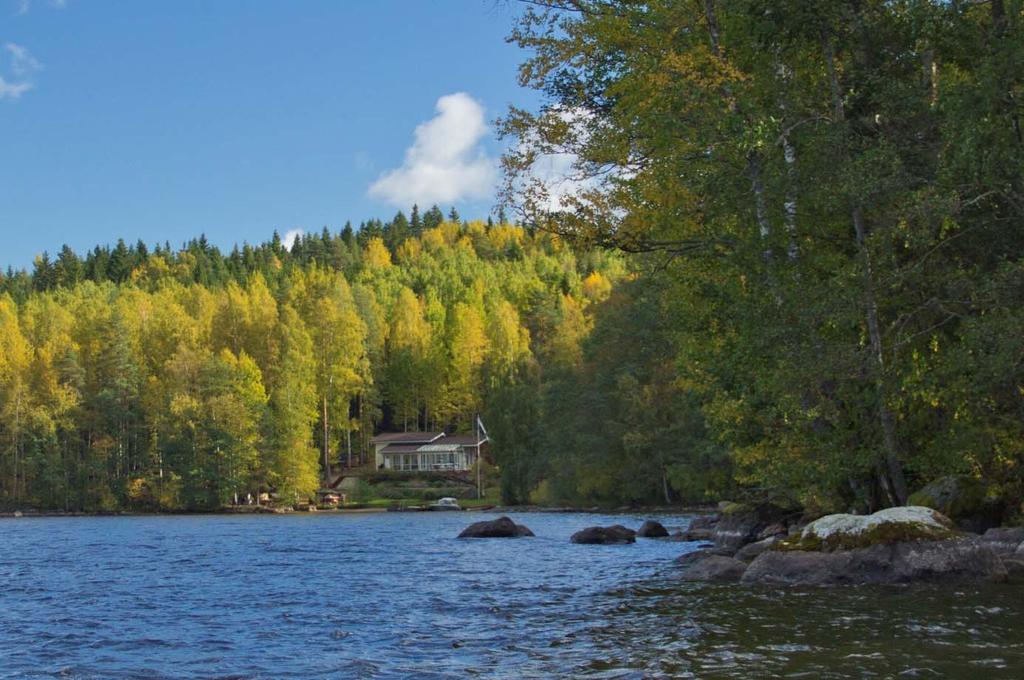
{"x": 427, "y": 451}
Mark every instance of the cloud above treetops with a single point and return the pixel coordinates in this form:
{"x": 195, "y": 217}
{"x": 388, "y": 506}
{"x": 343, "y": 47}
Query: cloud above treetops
{"x": 446, "y": 161}
{"x": 291, "y": 236}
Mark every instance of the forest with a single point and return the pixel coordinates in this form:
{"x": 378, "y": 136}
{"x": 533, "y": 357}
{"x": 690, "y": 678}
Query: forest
{"x": 829, "y": 199}
{"x": 172, "y": 380}
{"x": 786, "y": 264}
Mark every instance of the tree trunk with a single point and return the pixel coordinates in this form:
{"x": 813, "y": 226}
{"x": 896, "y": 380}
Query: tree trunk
{"x": 890, "y": 475}
{"x": 327, "y": 445}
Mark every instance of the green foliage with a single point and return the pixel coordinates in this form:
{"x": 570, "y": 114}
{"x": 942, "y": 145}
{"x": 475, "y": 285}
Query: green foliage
{"x": 198, "y": 378}
{"x": 829, "y": 196}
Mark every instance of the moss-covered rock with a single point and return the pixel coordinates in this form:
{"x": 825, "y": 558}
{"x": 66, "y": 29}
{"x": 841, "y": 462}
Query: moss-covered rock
{"x": 965, "y": 500}
{"x": 886, "y": 527}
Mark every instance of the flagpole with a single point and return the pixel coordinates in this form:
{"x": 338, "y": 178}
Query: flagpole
{"x": 479, "y": 490}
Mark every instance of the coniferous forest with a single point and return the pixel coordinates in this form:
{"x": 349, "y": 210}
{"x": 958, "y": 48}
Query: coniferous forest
{"x": 788, "y": 265}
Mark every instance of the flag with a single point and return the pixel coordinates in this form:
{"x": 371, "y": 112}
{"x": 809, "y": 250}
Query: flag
{"x": 480, "y": 424}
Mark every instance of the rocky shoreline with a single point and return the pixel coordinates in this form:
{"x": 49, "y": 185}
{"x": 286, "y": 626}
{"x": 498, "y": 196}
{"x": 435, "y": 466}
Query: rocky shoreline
{"x": 762, "y": 545}
{"x": 770, "y": 545}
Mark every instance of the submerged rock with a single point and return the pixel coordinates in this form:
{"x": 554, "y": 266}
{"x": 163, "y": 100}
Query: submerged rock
{"x": 604, "y": 535}
{"x": 503, "y": 527}
{"x": 652, "y": 529}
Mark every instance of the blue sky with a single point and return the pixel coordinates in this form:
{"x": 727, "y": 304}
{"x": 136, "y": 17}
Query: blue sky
{"x": 164, "y": 120}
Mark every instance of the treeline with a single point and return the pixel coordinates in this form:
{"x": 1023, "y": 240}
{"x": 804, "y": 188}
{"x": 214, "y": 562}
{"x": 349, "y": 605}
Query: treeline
{"x": 195, "y": 376}
{"x": 827, "y": 202}
{"x": 198, "y": 261}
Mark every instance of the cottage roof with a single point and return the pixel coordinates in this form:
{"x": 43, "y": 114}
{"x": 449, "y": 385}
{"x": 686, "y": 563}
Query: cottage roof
{"x": 465, "y": 439}
{"x": 406, "y": 437}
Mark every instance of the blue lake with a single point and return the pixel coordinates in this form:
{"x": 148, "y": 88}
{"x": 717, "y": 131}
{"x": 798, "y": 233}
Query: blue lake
{"x": 396, "y": 595}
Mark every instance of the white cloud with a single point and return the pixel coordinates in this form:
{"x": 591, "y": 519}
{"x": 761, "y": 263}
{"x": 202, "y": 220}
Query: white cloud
{"x": 22, "y": 65}
{"x": 290, "y": 236}
{"x": 13, "y": 90}
{"x": 25, "y": 5}
{"x": 446, "y": 162}
{"x": 22, "y": 62}
{"x": 554, "y": 180}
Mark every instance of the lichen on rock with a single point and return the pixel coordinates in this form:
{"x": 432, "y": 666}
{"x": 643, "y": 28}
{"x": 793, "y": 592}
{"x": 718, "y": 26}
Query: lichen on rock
{"x": 889, "y": 526}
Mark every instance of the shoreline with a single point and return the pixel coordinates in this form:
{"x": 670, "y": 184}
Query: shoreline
{"x": 264, "y": 510}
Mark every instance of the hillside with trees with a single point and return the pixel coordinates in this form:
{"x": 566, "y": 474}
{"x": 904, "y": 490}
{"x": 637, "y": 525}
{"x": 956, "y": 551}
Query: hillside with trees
{"x": 145, "y": 380}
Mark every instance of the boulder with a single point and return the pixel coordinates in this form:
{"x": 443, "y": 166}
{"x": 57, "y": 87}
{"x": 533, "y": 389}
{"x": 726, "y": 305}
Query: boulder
{"x": 964, "y": 500}
{"x": 896, "y": 545}
{"x": 772, "y": 530}
{"x": 1014, "y": 570}
{"x": 955, "y": 560}
{"x": 503, "y": 527}
{"x": 701, "y": 528}
{"x": 748, "y": 552}
{"x": 604, "y": 535}
{"x": 742, "y": 523}
{"x": 1004, "y": 540}
{"x": 652, "y": 529}
{"x": 703, "y": 565}
{"x": 892, "y": 525}
{"x": 699, "y": 554}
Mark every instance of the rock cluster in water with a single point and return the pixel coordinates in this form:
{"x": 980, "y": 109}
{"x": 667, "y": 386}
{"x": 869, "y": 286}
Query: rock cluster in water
{"x": 503, "y": 527}
{"x": 765, "y": 544}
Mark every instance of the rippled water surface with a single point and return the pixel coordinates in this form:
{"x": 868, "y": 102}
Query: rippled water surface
{"x": 396, "y": 595}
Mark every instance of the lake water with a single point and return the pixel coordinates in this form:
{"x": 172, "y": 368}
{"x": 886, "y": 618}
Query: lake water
{"x": 397, "y": 596}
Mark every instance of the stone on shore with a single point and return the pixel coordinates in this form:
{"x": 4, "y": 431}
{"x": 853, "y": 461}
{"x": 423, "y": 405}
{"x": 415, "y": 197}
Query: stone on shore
{"x": 897, "y": 545}
{"x": 503, "y": 527}
{"x": 707, "y": 565}
{"x": 742, "y": 524}
{"x": 1005, "y": 541}
{"x": 701, "y": 528}
{"x": 652, "y": 529}
{"x": 957, "y": 560}
{"x": 751, "y": 550}
{"x": 965, "y": 500}
{"x": 615, "y": 534}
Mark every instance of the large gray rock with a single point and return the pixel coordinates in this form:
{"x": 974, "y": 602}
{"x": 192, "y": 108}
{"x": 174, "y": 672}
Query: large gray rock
{"x": 1005, "y": 541}
{"x": 751, "y": 550}
{"x": 954, "y": 560}
{"x": 704, "y": 565}
{"x": 604, "y": 535}
{"x": 503, "y": 527}
{"x": 652, "y": 529}
{"x": 892, "y": 525}
{"x": 701, "y": 528}
{"x": 741, "y": 524}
